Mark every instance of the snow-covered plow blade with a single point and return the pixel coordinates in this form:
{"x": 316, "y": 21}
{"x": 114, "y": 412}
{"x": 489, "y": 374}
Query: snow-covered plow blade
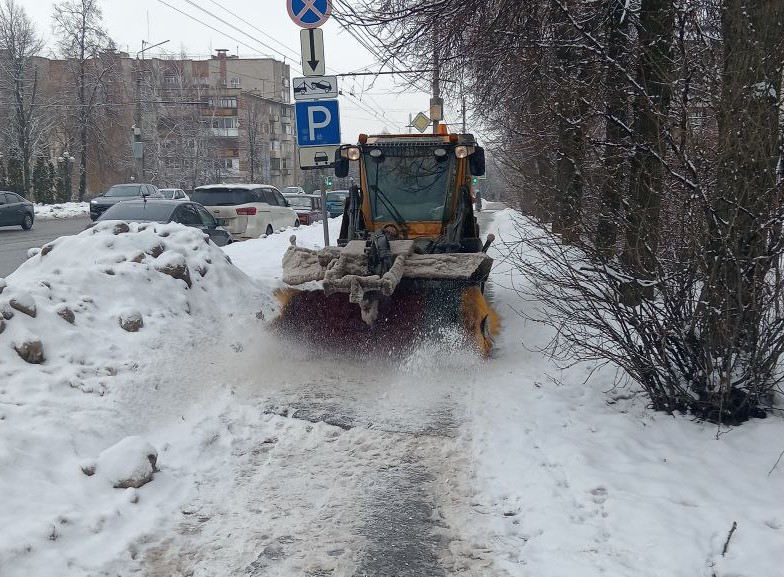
{"x": 389, "y": 298}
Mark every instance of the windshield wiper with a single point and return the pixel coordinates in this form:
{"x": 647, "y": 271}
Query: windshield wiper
{"x": 390, "y": 207}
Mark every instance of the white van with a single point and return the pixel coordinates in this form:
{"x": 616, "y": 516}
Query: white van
{"x": 246, "y": 210}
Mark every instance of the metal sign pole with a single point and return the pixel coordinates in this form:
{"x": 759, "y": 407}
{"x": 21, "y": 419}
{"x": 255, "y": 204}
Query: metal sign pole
{"x": 325, "y": 216}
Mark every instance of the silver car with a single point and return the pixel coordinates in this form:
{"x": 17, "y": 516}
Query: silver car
{"x": 174, "y": 194}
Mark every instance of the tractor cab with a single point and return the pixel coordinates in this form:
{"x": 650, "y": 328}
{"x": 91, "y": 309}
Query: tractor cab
{"x": 411, "y": 186}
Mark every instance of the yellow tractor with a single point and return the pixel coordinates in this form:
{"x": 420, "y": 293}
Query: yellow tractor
{"x": 409, "y": 259}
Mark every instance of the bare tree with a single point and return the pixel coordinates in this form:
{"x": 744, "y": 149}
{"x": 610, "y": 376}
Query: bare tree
{"x": 82, "y": 40}
{"x": 19, "y": 43}
{"x": 647, "y": 132}
{"x": 255, "y": 145}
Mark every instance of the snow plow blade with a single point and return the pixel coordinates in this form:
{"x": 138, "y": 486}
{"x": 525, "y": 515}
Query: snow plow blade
{"x": 417, "y": 297}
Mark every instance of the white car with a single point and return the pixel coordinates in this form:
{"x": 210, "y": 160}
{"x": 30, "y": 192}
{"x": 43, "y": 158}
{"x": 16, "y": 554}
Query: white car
{"x": 174, "y": 194}
{"x": 246, "y": 210}
{"x": 293, "y": 190}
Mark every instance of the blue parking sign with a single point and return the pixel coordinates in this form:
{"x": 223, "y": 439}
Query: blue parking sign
{"x": 318, "y": 122}
{"x": 309, "y": 13}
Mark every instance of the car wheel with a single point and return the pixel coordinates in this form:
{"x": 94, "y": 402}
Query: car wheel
{"x": 27, "y": 222}
{"x": 269, "y": 230}
{"x": 296, "y": 223}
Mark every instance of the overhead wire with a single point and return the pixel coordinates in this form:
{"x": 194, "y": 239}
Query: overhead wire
{"x": 361, "y": 104}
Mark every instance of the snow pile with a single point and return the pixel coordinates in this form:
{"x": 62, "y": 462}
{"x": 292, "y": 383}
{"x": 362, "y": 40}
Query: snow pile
{"x": 262, "y": 258}
{"x": 110, "y": 318}
{"x": 62, "y": 210}
{"x": 129, "y": 463}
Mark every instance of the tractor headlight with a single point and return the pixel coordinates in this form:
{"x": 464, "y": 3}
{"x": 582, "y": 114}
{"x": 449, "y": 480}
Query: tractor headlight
{"x": 352, "y": 153}
{"x": 461, "y": 151}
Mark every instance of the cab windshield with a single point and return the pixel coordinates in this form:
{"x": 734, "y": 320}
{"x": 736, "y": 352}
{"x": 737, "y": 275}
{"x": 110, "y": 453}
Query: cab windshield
{"x": 408, "y": 183}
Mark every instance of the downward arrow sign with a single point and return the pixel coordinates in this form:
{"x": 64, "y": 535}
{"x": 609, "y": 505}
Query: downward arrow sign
{"x": 312, "y": 62}
{"x": 311, "y": 43}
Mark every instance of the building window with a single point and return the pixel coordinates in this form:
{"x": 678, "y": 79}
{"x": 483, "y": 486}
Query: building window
{"x": 225, "y": 122}
{"x": 274, "y": 163}
{"x": 236, "y": 82}
{"x": 170, "y": 80}
{"x": 223, "y": 102}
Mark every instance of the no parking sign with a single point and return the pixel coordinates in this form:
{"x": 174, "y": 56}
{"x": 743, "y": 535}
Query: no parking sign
{"x": 309, "y": 13}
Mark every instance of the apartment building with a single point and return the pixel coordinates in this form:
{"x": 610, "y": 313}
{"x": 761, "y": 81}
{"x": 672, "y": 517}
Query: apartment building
{"x": 177, "y": 121}
{"x": 223, "y": 119}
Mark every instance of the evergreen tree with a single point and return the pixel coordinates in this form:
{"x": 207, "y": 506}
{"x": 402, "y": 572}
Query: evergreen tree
{"x": 52, "y": 174}
{"x": 42, "y": 186}
{"x": 15, "y": 173}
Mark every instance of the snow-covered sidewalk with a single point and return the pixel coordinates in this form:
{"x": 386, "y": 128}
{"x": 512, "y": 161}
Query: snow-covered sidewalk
{"x": 62, "y": 210}
{"x": 277, "y": 460}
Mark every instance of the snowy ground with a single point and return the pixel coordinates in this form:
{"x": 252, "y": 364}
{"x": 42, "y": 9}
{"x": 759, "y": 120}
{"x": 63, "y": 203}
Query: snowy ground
{"x": 62, "y": 210}
{"x": 275, "y": 460}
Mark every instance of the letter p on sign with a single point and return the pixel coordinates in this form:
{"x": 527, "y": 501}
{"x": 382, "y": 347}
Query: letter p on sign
{"x": 313, "y": 124}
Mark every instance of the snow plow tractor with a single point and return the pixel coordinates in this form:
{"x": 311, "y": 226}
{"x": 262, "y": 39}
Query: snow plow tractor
{"x": 409, "y": 259}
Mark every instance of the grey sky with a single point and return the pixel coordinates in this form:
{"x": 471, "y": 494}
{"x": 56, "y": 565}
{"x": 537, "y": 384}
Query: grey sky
{"x": 131, "y": 21}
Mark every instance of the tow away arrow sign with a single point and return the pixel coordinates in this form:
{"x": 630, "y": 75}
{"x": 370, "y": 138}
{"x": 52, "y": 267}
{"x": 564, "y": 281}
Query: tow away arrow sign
{"x": 311, "y": 43}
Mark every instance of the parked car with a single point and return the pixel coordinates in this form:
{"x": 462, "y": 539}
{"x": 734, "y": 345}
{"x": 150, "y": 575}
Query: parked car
{"x": 335, "y": 201}
{"x": 174, "y": 194}
{"x": 307, "y": 206}
{"x": 247, "y": 210}
{"x": 293, "y": 190}
{"x": 165, "y": 210}
{"x": 120, "y": 192}
{"x": 16, "y": 210}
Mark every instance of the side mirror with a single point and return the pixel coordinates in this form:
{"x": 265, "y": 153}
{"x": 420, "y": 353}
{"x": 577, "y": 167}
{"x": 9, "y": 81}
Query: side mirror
{"x": 288, "y": 203}
{"x": 341, "y": 165}
{"x": 476, "y": 162}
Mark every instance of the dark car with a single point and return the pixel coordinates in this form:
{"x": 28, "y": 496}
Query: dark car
{"x": 162, "y": 210}
{"x": 335, "y": 201}
{"x": 307, "y": 207}
{"x": 120, "y": 192}
{"x": 16, "y": 210}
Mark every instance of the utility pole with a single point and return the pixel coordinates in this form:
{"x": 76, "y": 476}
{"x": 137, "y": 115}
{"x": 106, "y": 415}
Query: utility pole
{"x": 464, "y": 114}
{"x": 138, "y": 146}
{"x": 436, "y": 103}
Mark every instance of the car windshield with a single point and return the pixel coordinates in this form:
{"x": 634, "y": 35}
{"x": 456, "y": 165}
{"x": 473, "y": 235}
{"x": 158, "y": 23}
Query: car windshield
{"x": 407, "y": 182}
{"x": 299, "y": 201}
{"x": 139, "y": 212}
{"x": 168, "y": 192}
{"x": 338, "y": 196}
{"x": 224, "y": 196}
{"x": 124, "y": 190}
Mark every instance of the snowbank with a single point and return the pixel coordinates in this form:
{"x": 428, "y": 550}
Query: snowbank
{"x": 579, "y": 478}
{"x": 99, "y": 383}
{"x": 262, "y": 258}
{"x": 62, "y": 210}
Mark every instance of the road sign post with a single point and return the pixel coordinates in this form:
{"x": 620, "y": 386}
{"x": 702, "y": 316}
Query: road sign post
{"x": 317, "y": 117}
